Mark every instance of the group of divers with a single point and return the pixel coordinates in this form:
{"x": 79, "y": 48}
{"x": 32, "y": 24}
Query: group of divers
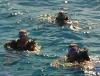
{"x": 23, "y": 43}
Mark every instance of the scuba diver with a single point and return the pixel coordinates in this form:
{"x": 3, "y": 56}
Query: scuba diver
{"x": 21, "y": 44}
{"x": 76, "y": 54}
{"x": 61, "y": 18}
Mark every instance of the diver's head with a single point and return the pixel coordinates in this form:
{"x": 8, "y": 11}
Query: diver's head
{"x": 61, "y": 13}
{"x": 23, "y": 34}
{"x": 73, "y": 46}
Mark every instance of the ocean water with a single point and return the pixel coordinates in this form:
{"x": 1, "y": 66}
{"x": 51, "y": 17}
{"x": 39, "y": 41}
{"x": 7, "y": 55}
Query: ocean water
{"x": 54, "y": 40}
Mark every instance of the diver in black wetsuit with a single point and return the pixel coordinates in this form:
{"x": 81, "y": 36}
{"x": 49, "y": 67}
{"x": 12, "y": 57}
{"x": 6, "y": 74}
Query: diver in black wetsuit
{"x": 77, "y": 54}
{"x": 21, "y": 44}
{"x": 61, "y": 18}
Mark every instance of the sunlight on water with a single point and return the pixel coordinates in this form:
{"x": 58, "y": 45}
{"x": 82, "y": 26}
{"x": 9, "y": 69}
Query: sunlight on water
{"x": 38, "y": 16}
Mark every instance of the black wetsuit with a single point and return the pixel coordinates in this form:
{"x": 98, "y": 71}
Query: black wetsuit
{"x": 14, "y": 45}
{"x": 83, "y": 55}
{"x": 80, "y": 56}
{"x": 61, "y": 20}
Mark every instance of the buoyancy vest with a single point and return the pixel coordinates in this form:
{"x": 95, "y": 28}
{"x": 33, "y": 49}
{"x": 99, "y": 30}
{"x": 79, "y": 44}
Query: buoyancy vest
{"x": 21, "y": 46}
{"x": 28, "y": 45}
{"x": 83, "y": 55}
{"x": 79, "y": 56}
{"x": 61, "y": 20}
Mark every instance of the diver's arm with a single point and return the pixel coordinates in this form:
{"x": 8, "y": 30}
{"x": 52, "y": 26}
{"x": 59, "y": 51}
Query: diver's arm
{"x": 34, "y": 47}
{"x": 37, "y": 47}
{"x": 7, "y": 45}
{"x": 66, "y": 18}
{"x": 10, "y": 45}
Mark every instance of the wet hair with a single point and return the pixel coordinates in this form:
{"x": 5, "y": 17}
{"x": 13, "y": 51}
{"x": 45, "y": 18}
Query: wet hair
{"x": 72, "y": 45}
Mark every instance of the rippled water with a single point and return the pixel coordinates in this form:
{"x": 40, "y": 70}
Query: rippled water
{"x": 17, "y": 14}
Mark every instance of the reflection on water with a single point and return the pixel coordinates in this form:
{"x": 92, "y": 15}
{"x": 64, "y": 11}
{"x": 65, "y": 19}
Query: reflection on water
{"x": 15, "y": 14}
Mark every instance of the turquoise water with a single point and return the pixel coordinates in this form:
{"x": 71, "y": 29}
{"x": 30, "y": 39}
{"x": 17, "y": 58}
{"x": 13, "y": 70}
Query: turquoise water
{"x": 18, "y": 14}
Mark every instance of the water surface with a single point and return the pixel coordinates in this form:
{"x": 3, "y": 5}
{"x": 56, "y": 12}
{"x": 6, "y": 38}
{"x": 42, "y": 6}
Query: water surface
{"x": 18, "y": 14}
